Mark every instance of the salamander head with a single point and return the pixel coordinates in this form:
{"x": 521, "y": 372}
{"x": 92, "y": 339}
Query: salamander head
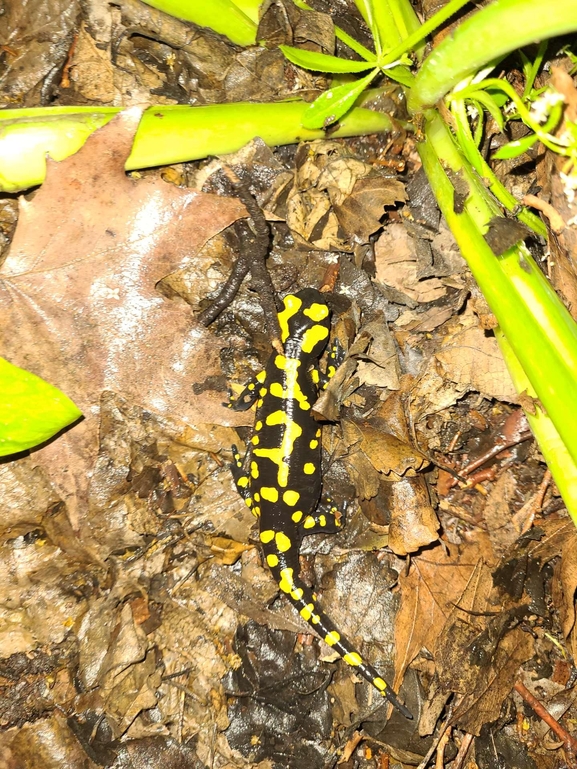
{"x": 305, "y": 322}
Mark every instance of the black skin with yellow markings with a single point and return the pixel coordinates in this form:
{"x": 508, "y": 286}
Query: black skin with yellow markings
{"x": 280, "y": 478}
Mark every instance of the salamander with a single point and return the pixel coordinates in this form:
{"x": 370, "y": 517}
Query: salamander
{"x": 280, "y": 477}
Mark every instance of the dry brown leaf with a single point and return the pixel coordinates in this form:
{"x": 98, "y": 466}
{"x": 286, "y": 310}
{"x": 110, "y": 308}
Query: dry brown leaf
{"x": 497, "y": 512}
{"x": 78, "y": 304}
{"x": 414, "y": 523}
{"x": 361, "y": 212}
{"x": 472, "y": 359}
{"x": 397, "y": 266}
{"x": 434, "y": 583}
{"x": 483, "y": 704}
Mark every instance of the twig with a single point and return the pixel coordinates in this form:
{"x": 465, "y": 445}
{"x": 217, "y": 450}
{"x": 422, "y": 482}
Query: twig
{"x": 569, "y": 741}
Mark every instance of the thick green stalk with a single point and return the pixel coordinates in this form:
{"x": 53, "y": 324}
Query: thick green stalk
{"x": 223, "y": 16}
{"x": 538, "y": 327}
{"x": 170, "y": 134}
{"x": 499, "y": 28}
{"x": 559, "y": 461}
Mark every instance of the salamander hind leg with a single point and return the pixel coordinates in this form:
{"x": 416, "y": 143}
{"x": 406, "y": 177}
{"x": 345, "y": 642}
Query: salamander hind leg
{"x": 326, "y": 519}
{"x": 307, "y": 605}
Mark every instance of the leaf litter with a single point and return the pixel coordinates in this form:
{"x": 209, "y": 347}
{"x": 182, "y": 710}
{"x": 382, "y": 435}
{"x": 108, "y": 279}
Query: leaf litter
{"x": 128, "y": 557}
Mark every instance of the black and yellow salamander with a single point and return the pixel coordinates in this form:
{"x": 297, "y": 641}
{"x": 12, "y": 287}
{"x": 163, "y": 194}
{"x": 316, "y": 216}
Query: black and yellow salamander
{"x": 280, "y": 478}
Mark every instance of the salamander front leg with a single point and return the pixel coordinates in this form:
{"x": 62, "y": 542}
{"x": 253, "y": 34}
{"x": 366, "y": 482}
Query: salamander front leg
{"x": 248, "y": 396}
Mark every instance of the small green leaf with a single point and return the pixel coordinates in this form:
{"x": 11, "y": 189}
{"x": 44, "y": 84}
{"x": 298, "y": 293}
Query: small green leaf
{"x": 400, "y": 74}
{"x": 31, "y": 410}
{"x": 332, "y": 104}
{"x": 515, "y": 148}
{"x": 485, "y": 98}
{"x": 321, "y": 62}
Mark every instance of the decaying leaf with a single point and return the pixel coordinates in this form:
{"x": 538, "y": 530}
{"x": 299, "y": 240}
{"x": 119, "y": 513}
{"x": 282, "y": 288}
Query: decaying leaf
{"x": 78, "y": 304}
{"x": 397, "y": 264}
{"x": 434, "y": 583}
{"x": 337, "y": 200}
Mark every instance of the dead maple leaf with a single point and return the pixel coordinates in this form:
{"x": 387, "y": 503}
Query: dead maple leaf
{"x": 78, "y": 303}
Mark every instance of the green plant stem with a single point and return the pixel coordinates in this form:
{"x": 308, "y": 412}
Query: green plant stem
{"x": 170, "y": 134}
{"x": 559, "y": 461}
{"x": 492, "y": 32}
{"x": 538, "y": 327}
{"x": 223, "y": 16}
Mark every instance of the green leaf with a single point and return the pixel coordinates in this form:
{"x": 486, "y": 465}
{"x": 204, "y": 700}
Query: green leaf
{"x": 31, "y": 410}
{"x": 322, "y": 62}
{"x": 400, "y": 74}
{"x": 484, "y": 98}
{"x": 515, "y": 148}
{"x": 332, "y": 104}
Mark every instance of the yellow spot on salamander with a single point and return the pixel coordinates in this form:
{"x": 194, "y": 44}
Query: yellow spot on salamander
{"x": 353, "y": 658}
{"x": 269, "y": 493}
{"x": 262, "y": 392}
{"x": 255, "y": 440}
{"x": 298, "y": 516}
{"x": 250, "y": 386}
{"x": 380, "y": 684}
{"x": 242, "y": 482}
{"x": 283, "y": 543}
{"x": 318, "y": 432}
{"x": 313, "y": 444}
{"x": 258, "y": 425}
{"x": 309, "y": 522}
{"x": 293, "y": 389}
{"x": 256, "y": 511}
{"x": 315, "y": 376}
{"x": 267, "y": 536}
{"x": 322, "y": 518}
{"x": 272, "y": 560}
{"x": 254, "y": 469}
{"x": 276, "y": 390}
{"x": 313, "y": 336}
{"x": 309, "y": 468}
{"x": 259, "y": 403}
{"x": 256, "y": 496}
{"x": 307, "y": 611}
{"x": 297, "y": 594}
{"x": 248, "y": 502}
{"x": 292, "y": 432}
{"x": 316, "y": 312}
{"x": 261, "y": 376}
{"x": 286, "y": 583}
{"x": 292, "y": 305}
{"x": 291, "y": 498}
{"x": 280, "y": 362}
{"x": 332, "y": 638}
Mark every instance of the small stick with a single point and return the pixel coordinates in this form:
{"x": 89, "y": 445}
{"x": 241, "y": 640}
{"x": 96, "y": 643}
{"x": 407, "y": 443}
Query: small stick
{"x": 463, "y": 750}
{"x": 569, "y": 741}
